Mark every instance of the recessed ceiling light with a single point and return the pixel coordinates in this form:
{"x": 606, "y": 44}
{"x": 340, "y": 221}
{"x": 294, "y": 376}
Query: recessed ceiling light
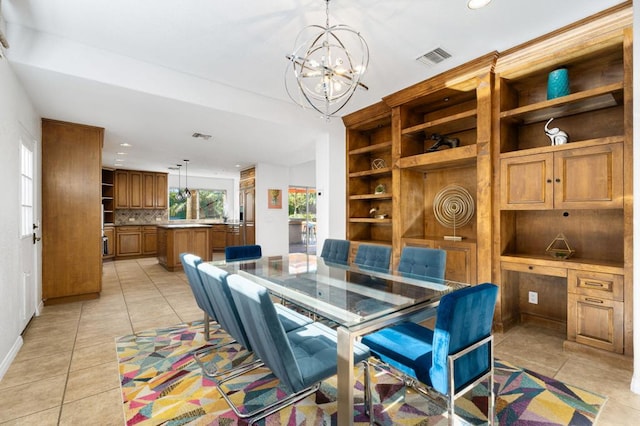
{"x": 477, "y": 4}
{"x": 126, "y": 145}
{"x": 121, "y": 153}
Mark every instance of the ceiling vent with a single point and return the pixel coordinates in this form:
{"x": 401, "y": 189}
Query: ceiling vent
{"x": 201, "y": 136}
{"x": 434, "y": 57}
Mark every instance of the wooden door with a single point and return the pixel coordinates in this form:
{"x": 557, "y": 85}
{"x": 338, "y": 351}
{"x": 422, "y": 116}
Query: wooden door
{"x": 589, "y": 177}
{"x": 161, "y": 195}
{"x": 148, "y": 190}
{"x": 135, "y": 190}
{"x": 527, "y": 182}
{"x": 122, "y": 189}
{"x": 71, "y": 212}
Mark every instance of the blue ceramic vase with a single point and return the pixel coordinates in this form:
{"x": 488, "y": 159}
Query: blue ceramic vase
{"x": 558, "y": 83}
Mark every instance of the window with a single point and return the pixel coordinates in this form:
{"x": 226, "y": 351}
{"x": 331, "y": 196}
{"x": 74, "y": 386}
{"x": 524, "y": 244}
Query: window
{"x": 203, "y": 204}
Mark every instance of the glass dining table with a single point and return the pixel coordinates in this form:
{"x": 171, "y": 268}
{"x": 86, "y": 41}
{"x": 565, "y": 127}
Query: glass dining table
{"x": 357, "y": 300}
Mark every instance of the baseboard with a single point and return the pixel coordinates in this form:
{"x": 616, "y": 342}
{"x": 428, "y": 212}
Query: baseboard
{"x": 6, "y": 362}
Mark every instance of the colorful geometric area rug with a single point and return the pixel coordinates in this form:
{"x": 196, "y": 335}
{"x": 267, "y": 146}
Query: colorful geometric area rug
{"x": 162, "y": 384}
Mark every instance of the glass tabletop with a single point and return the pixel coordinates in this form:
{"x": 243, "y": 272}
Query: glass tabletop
{"x": 345, "y": 294}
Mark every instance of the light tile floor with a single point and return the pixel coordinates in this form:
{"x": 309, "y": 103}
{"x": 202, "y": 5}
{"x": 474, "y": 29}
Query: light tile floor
{"x": 66, "y": 371}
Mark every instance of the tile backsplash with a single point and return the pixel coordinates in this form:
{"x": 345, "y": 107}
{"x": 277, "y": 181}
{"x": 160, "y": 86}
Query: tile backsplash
{"x": 141, "y": 216}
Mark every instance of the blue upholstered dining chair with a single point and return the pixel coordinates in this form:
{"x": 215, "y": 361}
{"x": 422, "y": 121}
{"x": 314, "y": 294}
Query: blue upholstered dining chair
{"x": 451, "y": 359}
{"x": 336, "y": 251}
{"x": 190, "y": 263}
{"x": 300, "y": 358}
{"x": 373, "y": 257}
{"x": 217, "y": 291}
{"x": 247, "y": 252}
{"x": 423, "y": 262}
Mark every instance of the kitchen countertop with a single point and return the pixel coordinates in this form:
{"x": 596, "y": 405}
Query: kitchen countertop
{"x": 183, "y": 225}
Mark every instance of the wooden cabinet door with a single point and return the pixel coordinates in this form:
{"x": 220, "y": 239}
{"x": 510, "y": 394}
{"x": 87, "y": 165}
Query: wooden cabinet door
{"x": 135, "y": 190}
{"x": 161, "y": 194}
{"x": 527, "y": 182}
{"x": 589, "y": 177}
{"x": 129, "y": 243}
{"x": 148, "y": 190}
{"x": 122, "y": 189}
{"x": 218, "y": 237}
{"x": 595, "y": 321}
{"x": 461, "y": 261}
{"x": 149, "y": 240}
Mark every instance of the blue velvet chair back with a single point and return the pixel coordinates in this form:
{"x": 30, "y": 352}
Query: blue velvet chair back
{"x": 246, "y": 252}
{"x": 335, "y": 250}
{"x": 190, "y": 263}
{"x": 423, "y": 261}
{"x": 217, "y": 289}
{"x": 265, "y": 332}
{"x": 373, "y": 257}
{"x": 464, "y": 317}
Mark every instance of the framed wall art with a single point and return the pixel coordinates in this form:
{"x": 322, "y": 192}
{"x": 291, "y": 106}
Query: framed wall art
{"x": 275, "y": 198}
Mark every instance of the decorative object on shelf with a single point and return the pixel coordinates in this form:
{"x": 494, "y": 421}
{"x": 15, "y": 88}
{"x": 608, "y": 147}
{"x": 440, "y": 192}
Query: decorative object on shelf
{"x": 275, "y": 198}
{"x": 380, "y": 189}
{"x": 558, "y": 83}
{"x": 442, "y": 141}
{"x": 378, "y": 163}
{"x": 559, "y": 248}
{"x": 557, "y": 136}
{"x": 453, "y": 207}
{"x": 326, "y": 67}
{"x": 373, "y": 212}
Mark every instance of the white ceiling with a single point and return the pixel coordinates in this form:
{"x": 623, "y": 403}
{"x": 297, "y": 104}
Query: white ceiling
{"x": 152, "y": 72}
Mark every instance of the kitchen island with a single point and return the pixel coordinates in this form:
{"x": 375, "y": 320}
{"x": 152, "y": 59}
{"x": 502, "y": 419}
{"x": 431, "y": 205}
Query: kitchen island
{"x": 174, "y": 239}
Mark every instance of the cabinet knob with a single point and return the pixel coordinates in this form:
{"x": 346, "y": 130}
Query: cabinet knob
{"x": 548, "y": 180}
{"x": 530, "y": 267}
{"x": 558, "y": 180}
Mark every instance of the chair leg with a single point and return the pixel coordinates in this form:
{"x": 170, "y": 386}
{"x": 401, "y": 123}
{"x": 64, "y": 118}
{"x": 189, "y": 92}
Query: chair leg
{"x": 492, "y": 401}
{"x": 207, "y": 330}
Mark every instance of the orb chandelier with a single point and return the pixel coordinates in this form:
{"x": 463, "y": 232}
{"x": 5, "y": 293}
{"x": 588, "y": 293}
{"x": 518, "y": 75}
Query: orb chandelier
{"x": 326, "y": 67}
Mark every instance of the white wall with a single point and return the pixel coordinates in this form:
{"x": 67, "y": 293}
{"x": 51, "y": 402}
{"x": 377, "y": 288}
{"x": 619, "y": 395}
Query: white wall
{"x": 272, "y": 225}
{"x": 330, "y": 184}
{"x": 16, "y": 112}
{"x": 303, "y": 175}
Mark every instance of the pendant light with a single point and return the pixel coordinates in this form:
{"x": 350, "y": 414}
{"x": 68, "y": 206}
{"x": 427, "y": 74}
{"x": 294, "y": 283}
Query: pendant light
{"x": 179, "y": 194}
{"x": 187, "y": 192}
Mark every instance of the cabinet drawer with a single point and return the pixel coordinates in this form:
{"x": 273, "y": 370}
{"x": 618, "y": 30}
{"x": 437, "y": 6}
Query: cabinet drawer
{"x": 552, "y": 271}
{"x": 599, "y": 285}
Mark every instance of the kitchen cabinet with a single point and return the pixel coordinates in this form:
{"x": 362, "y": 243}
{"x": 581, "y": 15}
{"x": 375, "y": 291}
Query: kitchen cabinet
{"x": 108, "y": 194}
{"x": 71, "y": 212}
{"x": 149, "y": 240}
{"x": 140, "y": 190}
{"x": 128, "y": 241}
{"x": 176, "y": 239}
{"x": 218, "y": 237}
